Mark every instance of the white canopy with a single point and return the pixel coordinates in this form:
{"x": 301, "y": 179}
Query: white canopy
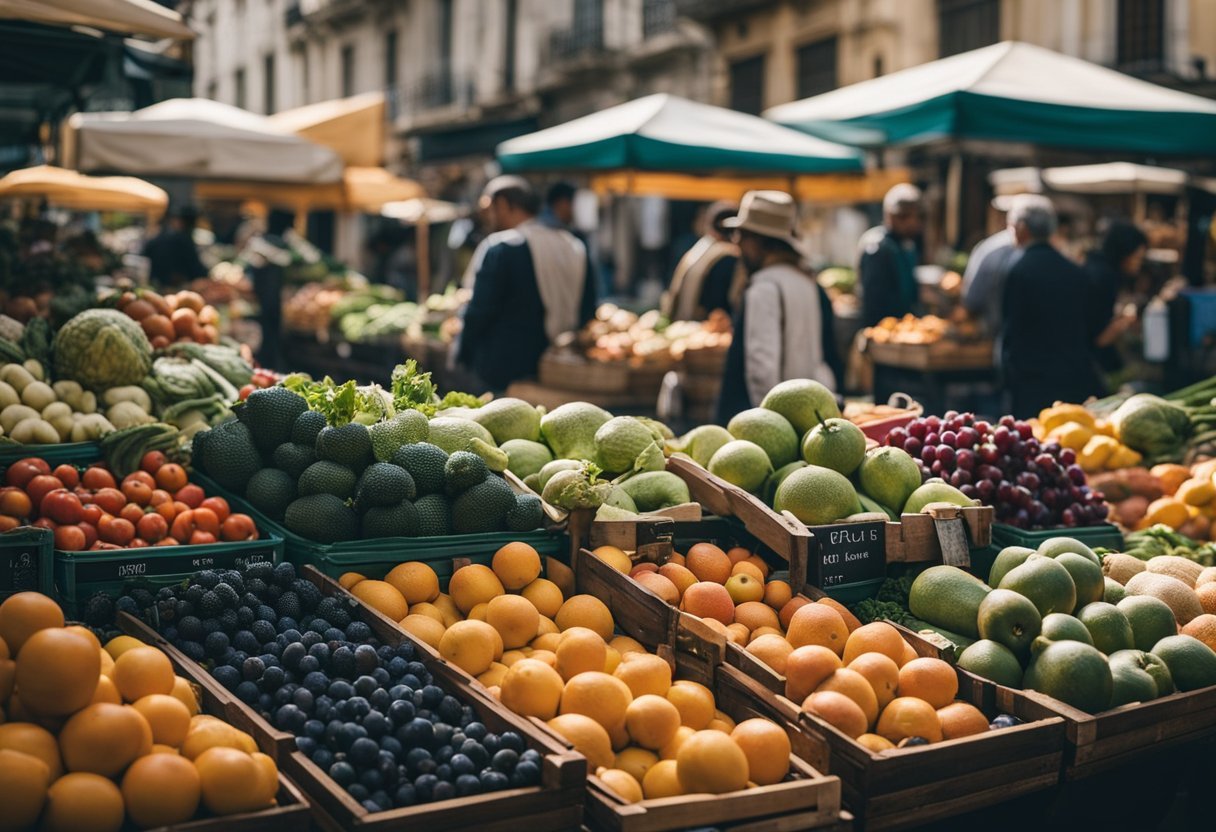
{"x": 1105, "y": 178}
{"x": 202, "y": 139}
{"x": 128, "y": 17}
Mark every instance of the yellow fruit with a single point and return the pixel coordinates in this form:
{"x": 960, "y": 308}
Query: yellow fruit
{"x": 546, "y": 626}
{"x": 612, "y": 660}
{"x": 745, "y": 587}
{"x": 721, "y": 722}
{"x": 652, "y": 721}
{"x": 749, "y": 568}
{"x": 636, "y": 761}
{"x": 184, "y": 692}
{"x": 531, "y": 688}
{"x": 348, "y": 580}
{"x": 662, "y": 780}
{"x": 82, "y": 802}
{"x": 472, "y": 585}
{"x": 837, "y": 710}
{"x": 777, "y": 594}
{"x": 23, "y": 783}
{"x": 876, "y": 637}
{"x": 908, "y": 716}
{"x": 681, "y": 578}
{"x": 875, "y": 743}
{"x": 855, "y": 686}
{"x": 163, "y": 749}
{"x": 773, "y": 650}
{"x": 614, "y": 557}
{"x": 494, "y": 676}
{"x": 424, "y": 628}
{"x": 708, "y": 563}
{"x": 881, "y": 672}
{"x": 644, "y": 673}
{"x": 510, "y": 657}
{"x": 141, "y": 671}
{"x": 622, "y": 784}
{"x": 627, "y": 644}
{"x": 232, "y": 781}
{"x": 515, "y": 619}
{"x": 909, "y": 655}
{"x": 107, "y": 662}
{"x": 806, "y": 668}
{"x": 660, "y": 586}
{"x": 587, "y": 736}
{"x": 85, "y": 633}
{"x": 709, "y": 600}
{"x": 694, "y": 701}
{"x": 428, "y": 610}
{"x": 57, "y": 672}
{"x": 25, "y": 613}
{"x": 767, "y": 749}
{"x": 382, "y": 597}
{"x": 738, "y": 634}
{"x": 104, "y": 739}
{"x": 168, "y": 718}
{"x": 545, "y": 595}
{"x": 669, "y": 751}
{"x": 447, "y": 607}
{"x": 269, "y": 778}
{"x": 161, "y": 790}
{"x": 211, "y": 733}
{"x": 516, "y": 565}
{"x": 932, "y": 680}
{"x": 546, "y": 656}
{"x": 546, "y": 641}
{"x": 416, "y": 582}
{"x": 478, "y": 613}
{"x": 470, "y": 645}
{"x": 121, "y": 644}
{"x": 818, "y": 624}
{"x": 961, "y": 719}
{"x": 754, "y": 615}
{"x": 580, "y": 650}
{"x": 711, "y": 762}
{"x": 595, "y": 694}
{"x": 585, "y": 611}
{"x": 34, "y": 740}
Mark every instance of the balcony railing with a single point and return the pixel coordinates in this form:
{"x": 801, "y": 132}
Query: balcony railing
{"x": 583, "y": 39}
{"x": 708, "y": 11}
{"x": 292, "y": 15}
{"x": 432, "y": 91}
{"x": 658, "y": 17}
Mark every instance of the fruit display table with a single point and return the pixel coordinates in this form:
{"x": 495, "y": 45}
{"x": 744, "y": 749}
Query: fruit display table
{"x": 928, "y": 371}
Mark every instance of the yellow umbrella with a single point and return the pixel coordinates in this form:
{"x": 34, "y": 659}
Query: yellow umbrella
{"x": 362, "y": 190}
{"x": 130, "y": 17}
{"x": 77, "y": 191}
{"x": 352, "y": 127}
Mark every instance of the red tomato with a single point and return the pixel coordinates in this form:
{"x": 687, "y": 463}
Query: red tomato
{"x": 200, "y": 537}
{"x": 246, "y": 390}
{"x": 131, "y": 512}
{"x": 152, "y": 527}
{"x": 239, "y": 527}
{"x": 44, "y": 523}
{"x": 40, "y": 486}
{"x": 15, "y": 502}
{"x": 205, "y": 520}
{"x": 219, "y": 505}
{"x": 138, "y": 543}
{"x": 179, "y": 507}
{"x": 140, "y": 476}
{"x": 167, "y": 511}
{"x": 183, "y": 526}
{"x": 67, "y": 475}
{"x": 152, "y": 461}
{"x": 116, "y": 530}
{"x": 91, "y": 514}
{"x": 160, "y": 495}
{"x": 38, "y": 462}
{"x": 70, "y": 539}
{"x": 110, "y": 500}
{"x": 96, "y": 478}
{"x": 192, "y": 495}
{"x": 62, "y": 506}
{"x": 103, "y": 546}
{"x": 168, "y": 541}
{"x": 139, "y": 493}
{"x": 90, "y": 533}
{"x": 20, "y": 473}
{"x": 172, "y": 477}
{"x": 7, "y": 523}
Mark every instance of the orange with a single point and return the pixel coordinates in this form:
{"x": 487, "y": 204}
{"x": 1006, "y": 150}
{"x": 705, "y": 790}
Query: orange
{"x": 721, "y": 722}
{"x": 644, "y": 673}
{"x": 932, "y": 680}
{"x": 837, "y": 710}
{"x": 706, "y": 599}
{"x": 23, "y": 783}
{"x": 622, "y": 784}
{"x": 612, "y": 660}
{"x": 34, "y": 740}
{"x": 269, "y": 778}
{"x": 627, "y": 644}
{"x": 424, "y": 628}
{"x": 850, "y": 620}
{"x": 711, "y": 762}
{"x": 121, "y": 644}
{"x": 587, "y": 736}
{"x": 652, "y": 721}
{"x": 660, "y": 586}
{"x": 531, "y": 688}
{"x": 738, "y": 633}
{"x": 773, "y": 650}
{"x": 107, "y": 662}
{"x": 472, "y": 585}
{"x": 738, "y": 554}
{"x": 855, "y": 686}
{"x": 161, "y": 790}
{"x": 516, "y": 565}
{"x": 636, "y": 761}
{"x": 515, "y": 619}
{"x": 206, "y": 733}
{"x": 676, "y": 558}
{"x": 510, "y": 657}
{"x": 1202, "y": 627}
{"x": 546, "y": 656}
{"x": 416, "y": 582}
{"x": 875, "y": 637}
{"x": 142, "y": 671}
{"x": 448, "y": 609}
{"x": 765, "y": 631}
{"x": 231, "y": 781}
{"x": 347, "y": 580}
{"x": 750, "y": 569}
{"x": 961, "y": 719}
{"x": 708, "y": 563}
{"x": 85, "y": 632}
{"x": 756, "y": 614}
{"x": 163, "y": 749}
{"x": 184, "y": 692}
{"x": 545, "y": 595}
{"x": 767, "y": 749}
{"x": 561, "y": 575}
{"x": 104, "y": 739}
{"x": 548, "y": 640}
{"x": 662, "y": 780}
{"x": 694, "y": 701}
{"x": 585, "y": 611}
{"x": 167, "y": 716}
{"x": 614, "y": 557}
{"x": 24, "y": 614}
{"x": 806, "y": 667}
{"x": 818, "y": 624}
{"x": 82, "y": 802}
{"x": 580, "y": 650}
{"x": 428, "y": 610}
{"x": 470, "y": 645}
{"x": 669, "y": 751}
{"x": 716, "y": 625}
{"x": 382, "y": 597}
{"x": 598, "y": 695}
{"x": 875, "y": 743}
{"x": 478, "y": 613}
{"x": 786, "y": 614}
{"x": 1207, "y": 597}
{"x": 493, "y": 677}
{"x": 777, "y": 594}
{"x": 758, "y": 562}
{"x": 881, "y": 672}
{"x": 680, "y": 576}
{"x": 57, "y": 672}
{"x": 908, "y": 716}
{"x": 909, "y": 654}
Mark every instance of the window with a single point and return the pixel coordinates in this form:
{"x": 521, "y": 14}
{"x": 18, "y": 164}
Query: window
{"x": 390, "y": 58}
{"x": 658, "y": 17}
{"x": 240, "y": 95}
{"x": 348, "y": 70}
{"x": 508, "y": 63}
{"x": 817, "y": 67}
{"x": 445, "y": 32}
{"x": 268, "y": 82}
{"x": 213, "y": 89}
{"x": 747, "y": 85}
{"x": 1141, "y": 35}
{"x": 963, "y": 25}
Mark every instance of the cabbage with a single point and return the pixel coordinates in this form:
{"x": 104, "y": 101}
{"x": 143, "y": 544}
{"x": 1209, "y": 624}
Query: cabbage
{"x": 102, "y": 348}
{"x": 1152, "y": 426}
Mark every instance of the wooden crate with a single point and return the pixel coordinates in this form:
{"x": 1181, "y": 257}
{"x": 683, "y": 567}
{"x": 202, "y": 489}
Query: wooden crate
{"x": 941, "y": 355}
{"x": 1097, "y": 743}
{"x": 567, "y": 371}
{"x": 701, "y": 389}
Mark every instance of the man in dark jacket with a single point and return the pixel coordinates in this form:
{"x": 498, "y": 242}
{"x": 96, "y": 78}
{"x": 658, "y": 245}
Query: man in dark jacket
{"x": 172, "y": 255}
{"x": 1047, "y": 351}
{"x": 889, "y": 257}
{"x": 531, "y": 284}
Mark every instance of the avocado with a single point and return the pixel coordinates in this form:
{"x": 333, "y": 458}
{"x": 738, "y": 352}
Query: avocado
{"x": 400, "y": 520}
{"x": 325, "y": 477}
{"x": 270, "y": 491}
{"x": 322, "y": 518}
{"x": 271, "y": 415}
{"x": 484, "y": 507}
{"x": 384, "y": 484}
{"x": 230, "y": 456}
{"x": 434, "y": 515}
{"x": 349, "y": 445}
{"x": 425, "y": 463}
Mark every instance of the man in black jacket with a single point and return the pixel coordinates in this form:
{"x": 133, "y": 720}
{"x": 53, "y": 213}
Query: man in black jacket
{"x": 531, "y": 284}
{"x": 889, "y": 257}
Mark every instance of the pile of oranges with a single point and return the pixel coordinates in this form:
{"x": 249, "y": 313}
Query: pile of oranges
{"x": 183, "y": 316}
{"x": 154, "y": 506}
{"x": 93, "y": 737}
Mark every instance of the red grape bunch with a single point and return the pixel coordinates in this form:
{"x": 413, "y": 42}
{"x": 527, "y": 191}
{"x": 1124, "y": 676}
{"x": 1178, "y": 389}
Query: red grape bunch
{"x": 1032, "y": 485}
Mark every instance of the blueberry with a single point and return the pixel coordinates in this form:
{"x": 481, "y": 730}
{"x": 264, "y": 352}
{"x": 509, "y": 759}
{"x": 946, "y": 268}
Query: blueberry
{"x": 265, "y": 702}
{"x": 405, "y": 796}
{"x": 531, "y": 756}
{"x": 364, "y": 685}
{"x": 397, "y": 667}
{"x": 414, "y": 757}
{"x": 290, "y": 718}
{"x": 376, "y": 725}
{"x": 314, "y": 728}
{"x": 323, "y": 758}
{"x": 358, "y": 632}
{"x": 467, "y": 784}
{"x": 285, "y": 624}
{"x": 1005, "y": 721}
{"x": 273, "y": 678}
{"x": 386, "y": 764}
{"x": 342, "y": 662}
{"x": 347, "y": 736}
{"x": 400, "y": 692}
{"x": 382, "y": 677}
{"x": 359, "y": 792}
{"x": 505, "y": 761}
{"x": 363, "y": 752}
{"x": 463, "y": 764}
{"x": 457, "y": 739}
{"x": 391, "y": 745}
{"x": 424, "y": 787}
{"x": 320, "y": 652}
{"x": 312, "y": 637}
{"x": 247, "y": 692}
{"x": 416, "y": 733}
{"x": 448, "y": 709}
{"x": 476, "y": 752}
{"x": 443, "y": 791}
{"x": 340, "y": 690}
{"x": 417, "y": 668}
{"x": 525, "y": 774}
{"x": 292, "y": 653}
{"x": 444, "y": 733}
{"x": 360, "y": 706}
{"x": 411, "y": 681}
{"x": 316, "y": 683}
{"x": 371, "y": 805}
{"x": 444, "y": 753}
{"x": 366, "y": 659}
{"x": 380, "y": 699}
{"x": 494, "y": 781}
{"x": 227, "y": 676}
{"x": 475, "y": 730}
{"x": 467, "y": 716}
{"x": 432, "y": 696}
{"x": 306, "y": 744}
{"x": 342, "y": 773}
{"x": 282, "y": 696}
{"x": 308, "y": 664}
{"x": 490, "y": 744}
{"x": 444, "y": 772}
{"x": 400, "y": 712}
{"x": 381, "y": 800}
{"x": 405, "y": 650}
{"x": 333, "y": 634}
{"x": 511, "y": 740}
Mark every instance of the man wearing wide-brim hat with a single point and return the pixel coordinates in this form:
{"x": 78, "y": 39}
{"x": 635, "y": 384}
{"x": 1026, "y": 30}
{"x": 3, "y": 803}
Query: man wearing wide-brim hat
{"x": 783, "y": 326}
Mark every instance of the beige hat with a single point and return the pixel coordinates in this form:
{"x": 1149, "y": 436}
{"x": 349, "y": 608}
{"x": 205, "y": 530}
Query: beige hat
{"x": 769, "y": 214}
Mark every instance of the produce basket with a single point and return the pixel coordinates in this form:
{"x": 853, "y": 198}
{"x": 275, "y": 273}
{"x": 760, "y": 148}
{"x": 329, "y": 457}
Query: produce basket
{"x": 25, "y": 560}
{"x": 79, "y": 453}
{"x": 567, "y": 371}
{"x": 940, "y": 355}
{"x": 1106, "y": 535}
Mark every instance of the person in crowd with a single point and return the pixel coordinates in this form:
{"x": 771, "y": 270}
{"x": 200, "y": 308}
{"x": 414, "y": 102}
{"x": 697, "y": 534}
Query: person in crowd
{"x": 1047, "y": 342}
{"x": 532, "y": 284}
{"x": 989, "y": 264}
{"x": 783, "y": 328}
{"x": 890, "y": 254}
{"x": 266, "y": 256}
{"x": 702, "y": 279}
{"x": 559, "y": 207}
{"x": 172, "y": 255}
{"x": 1113, "y": 264}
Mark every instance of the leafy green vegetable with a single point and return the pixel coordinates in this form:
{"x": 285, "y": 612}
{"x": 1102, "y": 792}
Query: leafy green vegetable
{"x": 455, "y": 398}
{"x": 340, "y": 404}
{"x": 1152, "y": 426}
{"x": 413, "y": 390}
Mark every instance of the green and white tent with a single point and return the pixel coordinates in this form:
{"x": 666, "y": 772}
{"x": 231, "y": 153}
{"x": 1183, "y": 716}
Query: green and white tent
{"x": 667, "y": 133}
{"x": 1010, "y": 92}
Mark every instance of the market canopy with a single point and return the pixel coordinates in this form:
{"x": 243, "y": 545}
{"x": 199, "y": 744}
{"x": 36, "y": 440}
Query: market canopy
{"x": 198, "y": 138}
{"x": 422, "y": 210}
{"x": 1010, "y": 92}
{"x": 362, "y": 190}
{"x": 1103, "y": 178}
{"x": 352, "y": 127}
{"x": 822, "y": 189}
{"x": 666, "y": 133}
{"x": 70, "y": 189}
{"x": 128, "y": 17}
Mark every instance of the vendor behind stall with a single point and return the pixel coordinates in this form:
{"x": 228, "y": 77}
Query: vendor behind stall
{"x": 890, "y": 254}
{"x": 702, "y": 279}
{"x": 172, "y": 255}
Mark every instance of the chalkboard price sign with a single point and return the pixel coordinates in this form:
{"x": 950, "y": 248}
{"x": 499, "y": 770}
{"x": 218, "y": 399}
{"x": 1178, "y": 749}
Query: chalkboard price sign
{"x": 849, "y": 553}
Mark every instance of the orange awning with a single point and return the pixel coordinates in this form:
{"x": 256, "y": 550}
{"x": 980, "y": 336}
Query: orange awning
{"x": 362, "y": 190}
{"x": 832, "y": 188}
{"x": 352, "y": 127}
{"x": 77, "y": 191}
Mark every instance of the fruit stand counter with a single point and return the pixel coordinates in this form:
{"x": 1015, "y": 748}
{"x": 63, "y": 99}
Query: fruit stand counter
{"x": 927, "y": 370}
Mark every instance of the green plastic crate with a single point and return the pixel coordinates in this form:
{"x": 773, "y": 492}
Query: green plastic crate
{"x": 80, "y": 574}
{"x": 74, "y": 453}
{"x": 25, "y": 560}
{"x": 1103, "y": 535}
